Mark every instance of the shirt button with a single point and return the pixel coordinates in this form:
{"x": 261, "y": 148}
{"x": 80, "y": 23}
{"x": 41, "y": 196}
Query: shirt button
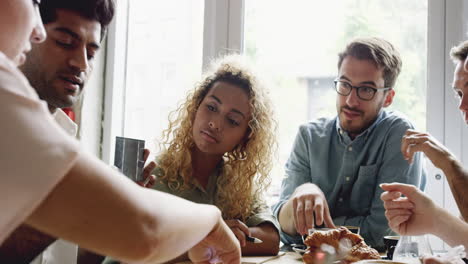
{"x": 347, "y": 178}
{"x": 350, "y": 148}
{"x": 340, "y": 200}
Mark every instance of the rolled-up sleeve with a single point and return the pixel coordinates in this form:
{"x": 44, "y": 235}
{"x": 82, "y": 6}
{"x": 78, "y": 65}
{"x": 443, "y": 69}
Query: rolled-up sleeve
{"x": 297, "y": 173}
{"x": 262, "y": 214}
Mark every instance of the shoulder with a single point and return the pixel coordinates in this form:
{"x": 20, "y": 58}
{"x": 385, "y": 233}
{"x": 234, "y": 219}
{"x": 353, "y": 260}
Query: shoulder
{"x": 394, "y": 120}
{"x": 321, "y": 127}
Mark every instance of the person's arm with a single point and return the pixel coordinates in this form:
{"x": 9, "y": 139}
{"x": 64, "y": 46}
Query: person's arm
{"x": 393, "y": 168}
{"x": 103, "y": 211}
{"x": 443, "y": 159}
{"x": 416, "y": 214}
{"x": 296, "y": 205}
{"x": 307, "y": 207}
{"x": 24, "y": 245}
{"x": 266, "y": 232}
{"x": 451, "y": 229}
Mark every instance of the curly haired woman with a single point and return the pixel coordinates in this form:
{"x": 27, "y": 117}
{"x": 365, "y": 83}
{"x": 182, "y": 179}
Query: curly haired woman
{"x": 219, "y": 148}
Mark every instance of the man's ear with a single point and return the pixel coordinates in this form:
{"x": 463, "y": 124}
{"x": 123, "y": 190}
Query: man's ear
{"x": 389, "y": 98}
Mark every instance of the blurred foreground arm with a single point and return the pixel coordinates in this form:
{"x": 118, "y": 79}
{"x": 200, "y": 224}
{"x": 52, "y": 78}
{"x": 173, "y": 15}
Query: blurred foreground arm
{"x": 103, "y": 211}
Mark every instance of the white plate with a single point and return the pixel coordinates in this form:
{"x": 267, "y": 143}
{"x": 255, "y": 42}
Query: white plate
{"x": 301, "y": 249}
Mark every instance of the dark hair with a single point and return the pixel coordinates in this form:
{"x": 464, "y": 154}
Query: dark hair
{"x": 98, "y": 10}
{"x": 460, "y": 52}
{"x": 380, "y": 51}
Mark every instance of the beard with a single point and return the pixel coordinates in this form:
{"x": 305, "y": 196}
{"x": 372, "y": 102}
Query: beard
{"x": 365, "y": 120}
{"x": 46, "y": 87}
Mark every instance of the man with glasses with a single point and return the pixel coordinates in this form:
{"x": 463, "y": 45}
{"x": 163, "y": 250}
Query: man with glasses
{"x": 336, "y": 165}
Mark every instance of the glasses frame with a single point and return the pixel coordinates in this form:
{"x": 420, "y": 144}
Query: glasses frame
{"x": 358, "y": 88}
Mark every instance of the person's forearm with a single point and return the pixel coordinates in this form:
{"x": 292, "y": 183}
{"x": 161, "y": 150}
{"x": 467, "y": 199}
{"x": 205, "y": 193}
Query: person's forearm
{"x": 286, "y": 218}
{"x": 103, "y": 211}
{"x": 450, "y": 229}
{"x": 457, "y": 178}
{"x": 270, "y": 237}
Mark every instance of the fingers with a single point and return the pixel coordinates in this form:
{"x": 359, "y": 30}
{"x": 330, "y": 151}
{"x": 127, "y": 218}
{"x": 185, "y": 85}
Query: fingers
{"x": 393, "y": 213}
{"x": 318, "y": 212}
{"x": 299, "y": 216}
{"x": 411, "y": 139}
{"x": 328, "y": 219}
{"x": 400, "y": 203}
{"x": 309, "y": 214}
{"x": 150, "y": 181}
{"x": 148, "y": 178}
{"x": 148, "y": 169}
{"x": 146, "y": 153}
{"x": 399, "y": 187}
{"x": 239, "y": 229}
{"x": 397, "y": 223}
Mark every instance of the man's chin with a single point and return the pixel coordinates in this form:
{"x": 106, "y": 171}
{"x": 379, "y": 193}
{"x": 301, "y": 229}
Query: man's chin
{"x": 351, "y": 128}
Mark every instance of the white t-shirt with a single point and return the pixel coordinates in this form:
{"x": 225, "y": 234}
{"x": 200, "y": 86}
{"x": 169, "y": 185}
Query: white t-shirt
{"x": 35, "y": 153}
{"x": 60, "y": 251}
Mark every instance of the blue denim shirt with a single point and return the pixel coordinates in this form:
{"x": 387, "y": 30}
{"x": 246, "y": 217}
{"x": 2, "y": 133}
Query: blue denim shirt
{"x": 349, "y": 172}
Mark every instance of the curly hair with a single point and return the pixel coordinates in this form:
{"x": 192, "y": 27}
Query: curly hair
{"x": 245, "y": 172}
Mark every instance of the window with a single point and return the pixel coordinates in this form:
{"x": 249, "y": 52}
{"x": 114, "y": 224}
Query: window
{"x": 164, "y": 59}
{"x": 297, "y": 44}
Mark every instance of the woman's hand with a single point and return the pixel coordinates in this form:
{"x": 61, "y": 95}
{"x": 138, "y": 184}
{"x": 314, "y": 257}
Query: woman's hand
{"x": 239, "y": 229}
{"x": 148, "y": 178}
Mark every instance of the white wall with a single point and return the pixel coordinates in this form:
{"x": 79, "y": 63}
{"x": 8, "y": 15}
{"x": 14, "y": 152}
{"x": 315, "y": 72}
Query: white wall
{"x": 89, "y": 108}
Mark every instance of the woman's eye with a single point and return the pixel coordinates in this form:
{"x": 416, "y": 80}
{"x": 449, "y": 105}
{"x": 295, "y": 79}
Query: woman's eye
{"x": 233, "y": 122}
{"x": 211, "y": 108}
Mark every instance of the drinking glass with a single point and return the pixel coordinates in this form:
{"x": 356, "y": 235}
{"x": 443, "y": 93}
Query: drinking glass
{"x": 410, "y": 249}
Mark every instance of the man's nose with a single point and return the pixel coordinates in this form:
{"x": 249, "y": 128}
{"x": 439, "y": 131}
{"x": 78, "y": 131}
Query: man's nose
{"x": 79, "y": 60}
{"x": 352, "y": 98}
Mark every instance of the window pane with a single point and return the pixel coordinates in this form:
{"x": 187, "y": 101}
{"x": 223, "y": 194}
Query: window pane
{"x": 297, "y": 43}
{"x": 164, "y": 58}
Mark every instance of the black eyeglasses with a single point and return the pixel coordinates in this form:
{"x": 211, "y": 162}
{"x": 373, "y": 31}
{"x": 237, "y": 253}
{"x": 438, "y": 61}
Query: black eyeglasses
{"x": 365, "y": 93}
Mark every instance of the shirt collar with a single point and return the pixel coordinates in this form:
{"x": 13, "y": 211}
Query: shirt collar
{"x": 65, "y": 122}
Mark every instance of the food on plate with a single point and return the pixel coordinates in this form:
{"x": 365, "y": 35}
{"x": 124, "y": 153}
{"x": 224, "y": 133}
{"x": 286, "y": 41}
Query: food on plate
{"x": 347, "y": 246}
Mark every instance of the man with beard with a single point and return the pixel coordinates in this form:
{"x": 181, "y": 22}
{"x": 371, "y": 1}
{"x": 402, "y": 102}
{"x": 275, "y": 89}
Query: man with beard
{"x": 336, "y": 165}
{"x": 58, "y": 69}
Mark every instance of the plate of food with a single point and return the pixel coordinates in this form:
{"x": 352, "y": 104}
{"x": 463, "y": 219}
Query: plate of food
{"x": 340, "y": 242}
{"x": 299, "y": 248}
